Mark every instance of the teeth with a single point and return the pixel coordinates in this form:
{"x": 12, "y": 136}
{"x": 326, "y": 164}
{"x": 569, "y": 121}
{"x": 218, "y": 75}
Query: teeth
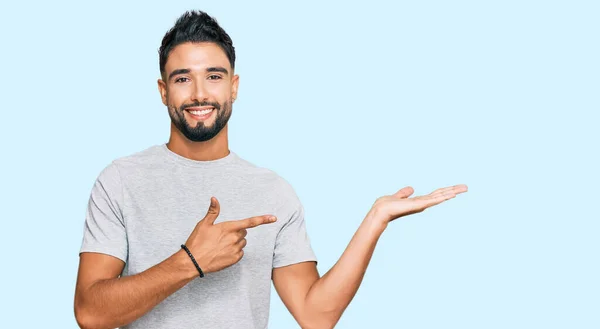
{"x": 203, "y": 112}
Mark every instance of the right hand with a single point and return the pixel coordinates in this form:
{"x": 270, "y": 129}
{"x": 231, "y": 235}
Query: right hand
{"x": 217, "y": 246}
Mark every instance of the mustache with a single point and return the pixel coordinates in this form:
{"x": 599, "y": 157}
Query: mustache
{"x": 217, "y": 106}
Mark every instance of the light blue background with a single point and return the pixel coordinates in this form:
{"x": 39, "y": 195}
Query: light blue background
{"x": 348, "y": 102}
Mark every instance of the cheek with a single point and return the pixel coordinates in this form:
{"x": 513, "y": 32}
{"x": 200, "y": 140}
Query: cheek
{"x": 171, "y": 106}
{"x": 220, "y": 92}
{"x": 176, "y": 96}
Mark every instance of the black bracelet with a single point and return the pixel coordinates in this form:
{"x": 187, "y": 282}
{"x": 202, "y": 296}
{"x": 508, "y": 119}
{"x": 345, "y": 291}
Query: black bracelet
{"x": 193, "y": 260}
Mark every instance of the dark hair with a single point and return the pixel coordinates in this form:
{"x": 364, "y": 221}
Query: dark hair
{"x": 195, "y": 26}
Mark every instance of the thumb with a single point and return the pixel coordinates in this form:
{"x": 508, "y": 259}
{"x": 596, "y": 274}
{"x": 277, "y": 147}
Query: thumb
{"x": 404, "y": 192}
{"x": 213, "y": 211}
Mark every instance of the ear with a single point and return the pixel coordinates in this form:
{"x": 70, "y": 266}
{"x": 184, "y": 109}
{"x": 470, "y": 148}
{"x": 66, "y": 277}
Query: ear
{"x": 235, "y": 81}
{"x": 162, "y": 89}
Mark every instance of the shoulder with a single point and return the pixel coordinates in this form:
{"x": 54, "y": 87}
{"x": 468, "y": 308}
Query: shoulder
{"x": 150, "y": 156}
{"x": 113, "y": 173}
{"x": 269, "y": 178}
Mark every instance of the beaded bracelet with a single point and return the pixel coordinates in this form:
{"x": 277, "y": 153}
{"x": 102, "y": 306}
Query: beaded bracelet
{"x": 193, "y": 260}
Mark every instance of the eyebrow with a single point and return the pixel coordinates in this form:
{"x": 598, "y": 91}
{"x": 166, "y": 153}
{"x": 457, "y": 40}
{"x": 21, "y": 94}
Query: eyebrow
{"x": 178, "y": 71}
{"x": 209, "y": 69}
{"x": 217, "y": 69}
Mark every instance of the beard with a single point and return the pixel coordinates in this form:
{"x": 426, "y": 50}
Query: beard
{"x": 200, "y": 132}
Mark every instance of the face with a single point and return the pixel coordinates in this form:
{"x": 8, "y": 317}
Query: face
{"x": 198, "y": 88}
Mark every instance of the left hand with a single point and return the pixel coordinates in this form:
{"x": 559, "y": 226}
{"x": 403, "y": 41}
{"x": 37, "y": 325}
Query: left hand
{"x": 390, "y": 207}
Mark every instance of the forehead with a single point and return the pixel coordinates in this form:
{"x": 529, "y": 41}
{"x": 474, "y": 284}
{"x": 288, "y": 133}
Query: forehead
{"x": 196, "y": 56}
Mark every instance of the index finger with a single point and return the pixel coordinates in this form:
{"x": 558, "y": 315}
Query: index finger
{"x": 241, "y": 224}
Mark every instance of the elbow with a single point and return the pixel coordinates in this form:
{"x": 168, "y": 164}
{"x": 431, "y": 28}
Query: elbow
{"x": 83, "y": 318}
{"x": 321, "y": 321}
{"x": 319, "y": 325}
{"x": 86, "y": 320}
{"x": 320, "y": 316}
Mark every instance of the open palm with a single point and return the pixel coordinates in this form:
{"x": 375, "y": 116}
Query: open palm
{"x": 399, "y": 204}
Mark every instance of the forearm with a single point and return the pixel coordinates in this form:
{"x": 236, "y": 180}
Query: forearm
{"x": 331, "y": 294}
{"x": 116, "y": 302}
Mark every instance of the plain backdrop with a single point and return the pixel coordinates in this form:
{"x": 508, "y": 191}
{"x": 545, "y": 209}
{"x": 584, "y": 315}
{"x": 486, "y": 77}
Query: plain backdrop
{"x": 348, "y": 102}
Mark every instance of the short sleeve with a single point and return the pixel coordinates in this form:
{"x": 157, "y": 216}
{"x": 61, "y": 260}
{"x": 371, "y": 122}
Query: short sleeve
{"x": 104, "y": 228}
{"x": 293, "y": 244}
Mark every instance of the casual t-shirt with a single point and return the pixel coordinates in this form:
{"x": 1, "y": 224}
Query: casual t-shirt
{"x": 144, "y": 206}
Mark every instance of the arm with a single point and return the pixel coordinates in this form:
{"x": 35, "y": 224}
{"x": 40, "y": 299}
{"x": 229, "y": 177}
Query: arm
{"x": 104, "y": 300}
{"x": 319, "y": 302}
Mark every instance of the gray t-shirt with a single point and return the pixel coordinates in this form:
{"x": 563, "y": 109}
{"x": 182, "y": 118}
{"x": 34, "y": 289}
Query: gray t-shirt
{"x": 144, "y": 206}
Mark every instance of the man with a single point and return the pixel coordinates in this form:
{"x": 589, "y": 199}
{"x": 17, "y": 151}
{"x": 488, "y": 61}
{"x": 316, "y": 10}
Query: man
{"x": 149, "y": 261}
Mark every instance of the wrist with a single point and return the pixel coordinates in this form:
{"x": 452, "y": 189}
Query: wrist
{"x": 185, "y": 265}
{"x": 374, "y": 222}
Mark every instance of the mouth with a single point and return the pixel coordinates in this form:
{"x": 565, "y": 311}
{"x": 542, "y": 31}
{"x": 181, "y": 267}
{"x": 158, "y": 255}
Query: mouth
{"x": 200, "y": 113}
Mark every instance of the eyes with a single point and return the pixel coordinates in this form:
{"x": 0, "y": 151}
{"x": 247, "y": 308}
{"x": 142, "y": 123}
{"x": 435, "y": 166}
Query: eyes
{"x": 213, "y": 77}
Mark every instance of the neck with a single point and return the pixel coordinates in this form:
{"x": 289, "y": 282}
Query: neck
{"x": 213, "y": 149}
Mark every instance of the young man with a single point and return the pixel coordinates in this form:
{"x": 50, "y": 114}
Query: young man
{"x": 189, "y": 235}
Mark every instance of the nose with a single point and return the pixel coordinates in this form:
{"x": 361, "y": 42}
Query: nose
{"x": 200, "y": 93}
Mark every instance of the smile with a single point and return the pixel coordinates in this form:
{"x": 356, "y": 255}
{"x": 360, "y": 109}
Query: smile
{"x": 200, "y": 114}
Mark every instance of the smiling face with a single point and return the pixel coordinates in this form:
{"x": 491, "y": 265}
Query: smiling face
{"x": 198, "y": 87}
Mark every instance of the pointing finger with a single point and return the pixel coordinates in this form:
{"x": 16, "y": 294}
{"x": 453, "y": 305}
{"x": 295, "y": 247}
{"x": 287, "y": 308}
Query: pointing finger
{"x": 251, "y": 222}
